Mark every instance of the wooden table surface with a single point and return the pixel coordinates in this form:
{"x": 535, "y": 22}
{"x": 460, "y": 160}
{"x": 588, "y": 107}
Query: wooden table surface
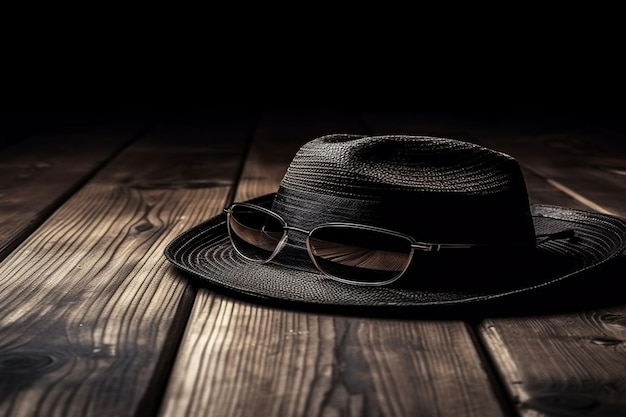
{"x": 95, "y": 322}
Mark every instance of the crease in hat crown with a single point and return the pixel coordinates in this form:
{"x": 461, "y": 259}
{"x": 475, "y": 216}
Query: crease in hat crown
{"x": 434, "y": 189}
{"x": 350, "y": 164}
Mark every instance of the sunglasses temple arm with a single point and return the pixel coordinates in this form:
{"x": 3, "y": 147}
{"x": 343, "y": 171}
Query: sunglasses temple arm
{"x": 436, "y": 247}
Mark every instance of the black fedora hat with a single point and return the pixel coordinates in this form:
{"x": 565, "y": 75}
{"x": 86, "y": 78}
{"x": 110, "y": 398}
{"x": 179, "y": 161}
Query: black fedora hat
{"x": 395, "y": 221}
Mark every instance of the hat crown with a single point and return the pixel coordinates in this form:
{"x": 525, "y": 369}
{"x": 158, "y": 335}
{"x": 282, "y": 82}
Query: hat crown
{"x": 434, "y": 189}
{"x": 363, "y": 165}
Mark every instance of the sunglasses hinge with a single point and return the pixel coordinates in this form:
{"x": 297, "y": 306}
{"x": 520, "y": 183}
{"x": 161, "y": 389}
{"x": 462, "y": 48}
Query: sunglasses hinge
{"x": 426, "y": 247}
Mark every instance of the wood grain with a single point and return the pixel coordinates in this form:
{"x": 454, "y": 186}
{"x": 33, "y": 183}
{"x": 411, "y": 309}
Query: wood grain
{"x": 239, "y": 359}
{"x": 562, "y": 365}
{"x": 572, "y": 363}
{"x": 569, "y": 362}
{"x": 244, "y": 360}
{"x": 38, "y": 173}
{"x": 92, "y": 311}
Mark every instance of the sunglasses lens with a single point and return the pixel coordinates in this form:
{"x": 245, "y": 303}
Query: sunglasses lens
{"x": 362, "y": 256}
{"x": 254, "y": 233}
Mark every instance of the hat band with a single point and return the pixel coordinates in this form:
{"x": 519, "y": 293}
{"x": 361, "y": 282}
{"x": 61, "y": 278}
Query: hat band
{"x": 495, "y": 219}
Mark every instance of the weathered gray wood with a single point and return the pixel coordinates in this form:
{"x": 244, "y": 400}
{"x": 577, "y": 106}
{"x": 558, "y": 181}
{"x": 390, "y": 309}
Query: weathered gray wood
{"x": 91, "y": 310}
{"x": 37, "y": 173}
{"x": 240, "y": 359}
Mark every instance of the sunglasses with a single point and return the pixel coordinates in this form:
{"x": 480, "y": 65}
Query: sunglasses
{"x": 350, "y": 253}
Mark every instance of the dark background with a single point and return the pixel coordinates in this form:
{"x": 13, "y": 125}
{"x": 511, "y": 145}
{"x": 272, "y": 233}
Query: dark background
{"x": 43, "y": 105}
{"x": 62, "y": 75}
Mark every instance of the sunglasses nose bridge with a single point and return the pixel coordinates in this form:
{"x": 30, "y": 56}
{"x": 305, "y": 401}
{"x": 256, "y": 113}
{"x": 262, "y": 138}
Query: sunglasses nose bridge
{"x": 296, "y": 229}
{"x": 299, "y": 238}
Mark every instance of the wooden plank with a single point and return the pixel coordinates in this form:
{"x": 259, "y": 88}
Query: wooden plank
{"x": 244, "y": 360}
{"x": 241, "y": 359}
{"x": 569, "y": 362}
{"x": 92, "y": 311}
{"x": 562, "y": 365}
{"x": 38, "y": 173}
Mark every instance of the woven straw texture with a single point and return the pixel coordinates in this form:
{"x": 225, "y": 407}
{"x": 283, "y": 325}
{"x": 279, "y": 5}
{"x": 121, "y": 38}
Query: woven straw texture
{"x": 206, "y": 252}
{"x": 434, "y": 189}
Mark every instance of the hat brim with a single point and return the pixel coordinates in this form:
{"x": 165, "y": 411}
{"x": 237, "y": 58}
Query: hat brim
{"x": 205, "y": 252}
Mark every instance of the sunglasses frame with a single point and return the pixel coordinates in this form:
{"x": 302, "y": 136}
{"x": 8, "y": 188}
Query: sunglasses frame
{"x": 414, "y": 244}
